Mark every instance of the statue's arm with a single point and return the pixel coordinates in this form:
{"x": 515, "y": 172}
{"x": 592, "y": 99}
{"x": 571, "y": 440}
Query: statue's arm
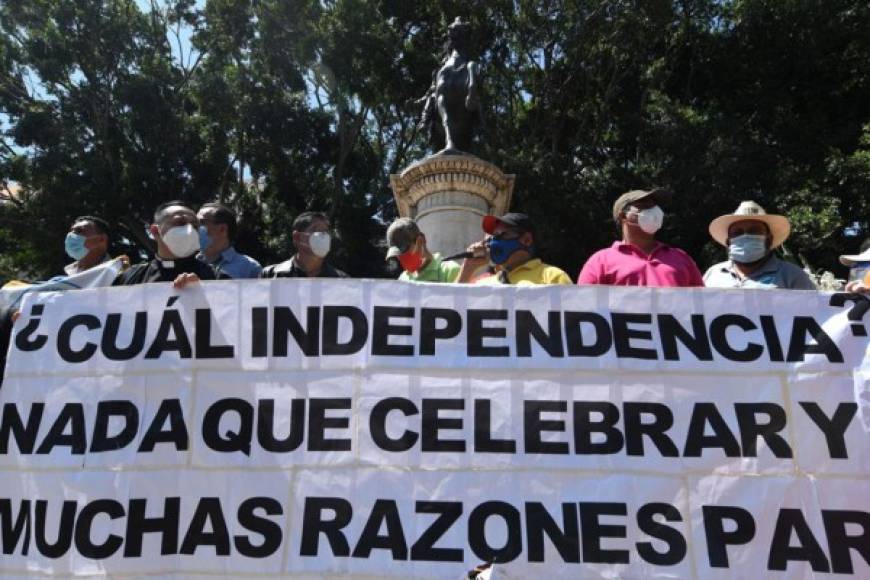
{"x": 472, "y": 100}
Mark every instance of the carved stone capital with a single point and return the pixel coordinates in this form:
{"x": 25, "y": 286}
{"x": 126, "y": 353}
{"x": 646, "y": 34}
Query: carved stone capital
{"x": 452, "y": 181}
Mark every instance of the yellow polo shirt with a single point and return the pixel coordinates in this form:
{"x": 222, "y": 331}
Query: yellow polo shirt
{"x": 532, "y": 272}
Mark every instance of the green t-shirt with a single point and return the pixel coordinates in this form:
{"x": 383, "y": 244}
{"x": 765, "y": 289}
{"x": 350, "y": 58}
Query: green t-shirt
{"x": 437, "y": 270}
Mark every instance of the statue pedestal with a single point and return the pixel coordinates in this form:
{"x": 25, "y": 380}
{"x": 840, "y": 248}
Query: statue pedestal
{"x": 448, "y": 195}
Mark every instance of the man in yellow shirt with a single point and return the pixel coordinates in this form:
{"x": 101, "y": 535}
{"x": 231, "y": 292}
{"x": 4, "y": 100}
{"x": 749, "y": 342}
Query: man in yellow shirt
{"x": 510, "y": 249}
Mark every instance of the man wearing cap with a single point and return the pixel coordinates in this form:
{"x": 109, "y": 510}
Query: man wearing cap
{"x": 408, "y": 245}
{"x": 313, "y": 242}
{"x": 750, "y": 234}
{"x": 510, "y": 246}
{"x": 639, "y": 259}
{"x": 859, "y": 269}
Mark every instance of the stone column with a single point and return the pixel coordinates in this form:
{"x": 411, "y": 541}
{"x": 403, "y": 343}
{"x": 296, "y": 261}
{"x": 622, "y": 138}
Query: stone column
{"x": 448, "y": 195}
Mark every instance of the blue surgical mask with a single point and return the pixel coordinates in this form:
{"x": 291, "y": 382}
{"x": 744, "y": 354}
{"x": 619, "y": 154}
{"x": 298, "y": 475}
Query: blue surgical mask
{"x": 75, "y": 246}
{"x": 747, "y": 248}
{"x": 501, "y": 250}
{"x": 204, "y": 238}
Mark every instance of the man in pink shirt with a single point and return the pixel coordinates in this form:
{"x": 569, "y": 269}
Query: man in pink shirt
{"x": 639, "y": 259}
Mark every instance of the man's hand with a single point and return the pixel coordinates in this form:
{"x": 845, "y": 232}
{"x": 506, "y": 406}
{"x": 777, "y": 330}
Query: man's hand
{"x": 857, "y": 287}
{"x": 184, "y": 279}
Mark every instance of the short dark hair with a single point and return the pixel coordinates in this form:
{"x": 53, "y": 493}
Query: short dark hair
{"x": 101, "y": 224}
{"x": 304, "y": 220}
{"x": 161, "y": 209}
{"x": 223, "y": 215}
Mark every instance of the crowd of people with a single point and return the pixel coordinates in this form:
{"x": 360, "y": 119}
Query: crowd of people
{"x": 198, "y": 245}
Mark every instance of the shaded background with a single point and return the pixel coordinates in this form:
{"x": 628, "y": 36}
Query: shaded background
{"x": 276, "y": 106}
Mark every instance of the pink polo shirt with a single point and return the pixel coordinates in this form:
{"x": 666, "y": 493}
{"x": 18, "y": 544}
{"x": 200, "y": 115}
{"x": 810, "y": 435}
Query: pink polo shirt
{"x": 624, "y": 264}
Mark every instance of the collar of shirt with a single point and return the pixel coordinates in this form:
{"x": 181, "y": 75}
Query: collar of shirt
{"x": 769, "y": 267}
{"x": 627, "y": 248}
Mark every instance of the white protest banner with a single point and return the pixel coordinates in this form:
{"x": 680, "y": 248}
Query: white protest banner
{"x": 310, "y": 429}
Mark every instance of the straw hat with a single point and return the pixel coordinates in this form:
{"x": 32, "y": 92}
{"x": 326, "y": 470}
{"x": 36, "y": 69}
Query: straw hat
{"x": 749, "y": 210}
{"x": 849, "y": 260}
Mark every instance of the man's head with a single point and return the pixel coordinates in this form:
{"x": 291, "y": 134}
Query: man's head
{"x": 750, "y": 233}
{"x": 175, "y": 229}
{"x": 511, "y": 239}
{"x": 407, "y": 244}
{"x": 311, "y": 234}
{"x": 217, "y": 227}
{"x": 88, "y": 236}
{"x": 638, "y": 212}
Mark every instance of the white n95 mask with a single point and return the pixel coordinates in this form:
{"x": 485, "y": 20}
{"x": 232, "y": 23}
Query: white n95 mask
{"x": 182, "y": 241}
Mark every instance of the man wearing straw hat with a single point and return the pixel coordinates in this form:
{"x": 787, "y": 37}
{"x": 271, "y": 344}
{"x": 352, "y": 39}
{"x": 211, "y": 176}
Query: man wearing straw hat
{"x": 750, "y": 234}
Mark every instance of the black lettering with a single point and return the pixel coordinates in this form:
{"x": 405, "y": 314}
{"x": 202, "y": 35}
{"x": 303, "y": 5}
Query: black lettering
{"x": 623, "y": 334}
{"x": 382, "y": 330}
{"x": 378, "y": 424}
{"x": 834, "y": 428}
{"x": 260, "y": 332}
{"x": 697, "y": 341}
{"x": 429, "y": 331}
{"x": 574, "y": 334}
{"x": 23, "y": 340}
{"x": 109, "y": 340}
{"x": 566, "y": 539}
{"x": 592, "y": 531}
{"x": 231, "y": 441}
{"x": 170, "y": 326}
{"x": 840, "y": 543}
{"x": 635, "y": 428}
{"x": 432, "y": 424}
{"x": 138, "y": 525}
{"x": 528, "y": 328}
{"x": 718, "y": 539}
{"x": 307, "y": 339}
{"x": 85, "y": 523}
{"x": 204, "y": 347}
{"x": 64, "y": 334}
{"x": 384, "y": 512}
{"x": 72, "y": 415}
{"x": 483, "y": 440}
{"x": 798, "y": 347}
{"x": 24, "y": 435}
{"x": 314, "y": 524}
{"x": 64, "y": 529}
{"x": 696, "y": 440}
{"x": 271, "y": 531}
{"x": 19, "y": 531}
{"x": 101, "y": 441}
{"x": 477, "y": 332}
{"x": 534, "y": 426}
{"x": 359, "y": 330}
{"x": 318, "y": 423}
{"x": 424, "y": 549}
{"x": 647, "y": 523}
{"x": 266, "y": 426}
{"x": 751, "y": 429}
{"x": 584, "y": 427}
{"x": 485, "y": 552}
{"x": 176, "y": 434}
{"x": 807, "y": 550}
{"x": 771, "y": 337}
{"x": 208, "y": 514}
{"x": 719, "y": 338}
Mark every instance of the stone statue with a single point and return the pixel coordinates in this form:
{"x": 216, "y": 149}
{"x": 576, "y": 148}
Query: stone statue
{"x": 451, "y": 107}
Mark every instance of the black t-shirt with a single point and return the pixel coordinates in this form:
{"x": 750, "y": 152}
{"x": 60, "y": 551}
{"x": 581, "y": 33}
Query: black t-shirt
{"x": 290, "y": 269}
{"x": 158, "y": 270}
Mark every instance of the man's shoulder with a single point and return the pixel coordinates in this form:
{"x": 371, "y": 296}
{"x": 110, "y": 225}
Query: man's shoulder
{"x": 132, "y": 275}
{"x": 281, "y": 269}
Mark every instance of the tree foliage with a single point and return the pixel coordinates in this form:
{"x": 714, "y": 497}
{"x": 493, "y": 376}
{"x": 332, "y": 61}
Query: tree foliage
{"x": 276, "y": 106}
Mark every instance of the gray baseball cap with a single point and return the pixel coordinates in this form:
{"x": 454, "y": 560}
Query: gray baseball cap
{"x": 400, "y": 235}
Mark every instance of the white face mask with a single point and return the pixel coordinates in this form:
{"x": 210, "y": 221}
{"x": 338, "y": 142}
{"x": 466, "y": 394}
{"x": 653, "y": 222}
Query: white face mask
{"x": 650, "y": 219}
{"x": 182, "y": 241}
{"x": 319, "y": 242}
